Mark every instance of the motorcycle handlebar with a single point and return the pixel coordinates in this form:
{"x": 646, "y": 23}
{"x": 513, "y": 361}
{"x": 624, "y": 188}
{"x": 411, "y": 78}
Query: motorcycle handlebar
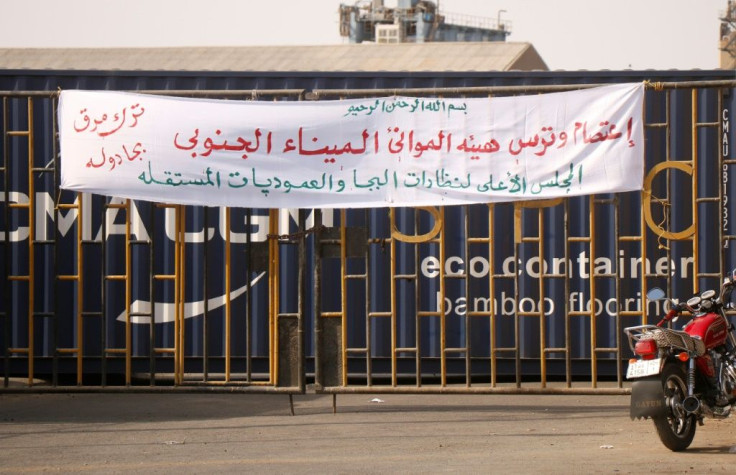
{"x": 674, "y": 311}
{"x": 728, "y": 284}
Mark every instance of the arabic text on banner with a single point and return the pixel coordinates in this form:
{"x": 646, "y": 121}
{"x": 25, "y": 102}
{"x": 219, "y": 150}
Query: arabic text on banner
{"x": 392, "y": 151}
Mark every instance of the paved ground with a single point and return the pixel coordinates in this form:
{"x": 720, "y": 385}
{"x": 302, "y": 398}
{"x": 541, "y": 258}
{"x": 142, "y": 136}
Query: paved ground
{"x": 205, "y": 433}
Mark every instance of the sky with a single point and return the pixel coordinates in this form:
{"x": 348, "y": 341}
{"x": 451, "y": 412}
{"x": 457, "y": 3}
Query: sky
{"x": 568, "y": 34}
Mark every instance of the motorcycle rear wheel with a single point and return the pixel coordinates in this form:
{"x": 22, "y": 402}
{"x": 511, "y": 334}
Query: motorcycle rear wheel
{"x": 677, "y": 429}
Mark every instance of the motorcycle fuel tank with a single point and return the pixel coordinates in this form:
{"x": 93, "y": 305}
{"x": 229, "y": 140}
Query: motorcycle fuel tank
{"x": 711, "y": 328}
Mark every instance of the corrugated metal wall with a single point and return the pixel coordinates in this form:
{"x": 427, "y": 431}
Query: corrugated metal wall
{"x": 84, "y": 275}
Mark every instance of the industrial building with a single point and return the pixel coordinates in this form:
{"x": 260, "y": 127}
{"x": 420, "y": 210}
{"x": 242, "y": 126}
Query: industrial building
{"x": 412, "y": 37}
{"x": 416, "y": 21}
{"x": 402, "y": 57}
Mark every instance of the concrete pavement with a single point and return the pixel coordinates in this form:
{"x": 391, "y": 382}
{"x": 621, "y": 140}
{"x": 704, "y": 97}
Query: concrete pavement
{"x": 238, "y": 433}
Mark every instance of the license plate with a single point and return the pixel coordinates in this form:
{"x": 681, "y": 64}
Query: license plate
{"x": 644, "y": 368}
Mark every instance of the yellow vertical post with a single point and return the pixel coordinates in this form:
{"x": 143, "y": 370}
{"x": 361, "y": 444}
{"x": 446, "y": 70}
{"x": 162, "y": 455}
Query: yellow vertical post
{"x": 443, "y": 329}
{"x": 694, "y": 162}
{"x": 518, "y": 237}
{"x": 31, "y": 251}
{"x": 392, "y": 266}
{"x": 491, "y": 294}
{"x": 128, "y": 298}
{"x": 273, "y": 224}
{"x": 177, "y": 298}
{"x": 591, "y": 275}
{"x": 542, "y": 322}
{"x": 343, "y": 297}
{"x": 643, "y": 250}
{"x": 80, "y": 287}
{"x": 181, "y": 282}
{"x": 228, "y": 304}
{"x": 643, "y": 242}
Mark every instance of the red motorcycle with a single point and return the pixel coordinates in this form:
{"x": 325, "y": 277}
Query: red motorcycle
{"x": 682, "y": 377}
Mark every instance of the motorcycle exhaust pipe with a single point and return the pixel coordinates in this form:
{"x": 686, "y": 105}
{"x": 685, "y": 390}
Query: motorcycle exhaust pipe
{"x": 691, "y": 404}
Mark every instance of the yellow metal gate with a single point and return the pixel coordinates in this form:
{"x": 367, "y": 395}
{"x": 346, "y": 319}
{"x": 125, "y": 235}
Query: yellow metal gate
{"x": 516, "y": 334}
{"x": 124, "y": 252}
{"x": 652, "y": 225}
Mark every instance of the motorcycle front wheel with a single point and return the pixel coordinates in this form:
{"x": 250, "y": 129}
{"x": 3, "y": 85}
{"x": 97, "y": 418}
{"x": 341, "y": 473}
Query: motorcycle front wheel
{"x": 677, "y": 429}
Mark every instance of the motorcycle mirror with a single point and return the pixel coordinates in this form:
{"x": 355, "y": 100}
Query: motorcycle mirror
{"x": 656, "y": 293}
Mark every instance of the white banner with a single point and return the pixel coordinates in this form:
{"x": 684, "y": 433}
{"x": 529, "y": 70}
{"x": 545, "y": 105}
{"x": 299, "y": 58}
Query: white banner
{"x": 393, "y": 151}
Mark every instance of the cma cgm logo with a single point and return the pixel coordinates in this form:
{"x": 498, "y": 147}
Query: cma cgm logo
{"x": 45, "y": 215}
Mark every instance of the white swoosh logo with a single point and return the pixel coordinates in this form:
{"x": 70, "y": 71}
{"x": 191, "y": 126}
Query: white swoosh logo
{"x": 165, "y": 312}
